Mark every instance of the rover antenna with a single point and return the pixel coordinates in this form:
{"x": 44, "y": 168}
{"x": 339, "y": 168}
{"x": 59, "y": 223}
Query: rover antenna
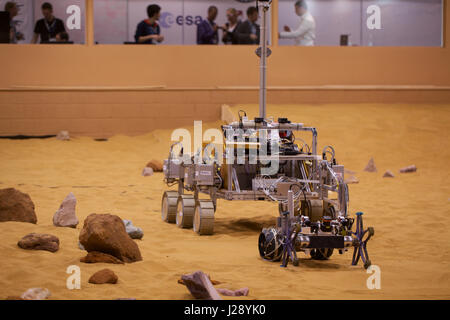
{"x": 263, "y": 52}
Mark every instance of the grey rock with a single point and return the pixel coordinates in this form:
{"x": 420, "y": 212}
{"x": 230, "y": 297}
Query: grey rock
{"x": 408, "y": 169}
{"x": 371, "y": 166}
{"x": 63, "y": 135}
{"x": 133, "y": 232}
{"x": 200, "y": 286}
{"x": 233, "y": 293}
{"x": 388, "y": 174}
{"x": 147, "y": 172}
{"x": 36, "y": 294}
{"x": 65, "y": 216}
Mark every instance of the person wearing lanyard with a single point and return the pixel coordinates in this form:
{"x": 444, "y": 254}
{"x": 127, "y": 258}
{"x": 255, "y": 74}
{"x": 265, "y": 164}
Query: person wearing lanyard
{"x": 248, "y": 32}
{"x": 305, "y": 34}
{"x": 49, "y": 27}
{"x": 207, "y": 29}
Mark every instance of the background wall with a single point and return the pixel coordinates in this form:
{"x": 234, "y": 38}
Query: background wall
{"x": 83, "y": 81}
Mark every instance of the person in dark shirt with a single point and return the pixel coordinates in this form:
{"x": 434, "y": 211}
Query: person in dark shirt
{"x": 231, "y": 26}
{"x": 207, "y": 29}
{"x": 49, "y": 27}
{"x": 148, "y": 30}
{"x": 13, "y": 10}
{"x": 248, "y": 32}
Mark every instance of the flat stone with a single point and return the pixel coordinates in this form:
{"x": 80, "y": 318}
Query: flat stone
{"x": 100, "y": 257}
{"x": 408, "y": 169}
{"x": 233, "y": 293}
{"x": 36, "y": 241}
{"x": 36, "y": 294}
{"x": 200, "y": 286}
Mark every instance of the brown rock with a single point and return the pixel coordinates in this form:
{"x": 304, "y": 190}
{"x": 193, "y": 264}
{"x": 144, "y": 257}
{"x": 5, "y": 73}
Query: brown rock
{"x": 371, "y": 166}
{"x": 16, "y": 206}
{"x": 65, "y": 216}
{"x": 156, "y": 165}
{"x": 408, "y": 169}
{"x": 388, "y": 174}
{"x": 103, "y": 276}
{"x": 100, "y": 257}
{"x": 235, "y": 293}
{"x": 200, "y": 286}
{"x": 106, "y": 233}
{"x": 36, "y": 241}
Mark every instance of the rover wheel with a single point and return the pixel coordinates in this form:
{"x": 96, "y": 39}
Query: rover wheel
{"x": 185, "y": 211}
{"x": 269, "y": 244}
{"x": 204, "y": 217}
{"x": 321, "y": 254}
{"x": 169, "y": 206}
{"x": 316, "y": 212}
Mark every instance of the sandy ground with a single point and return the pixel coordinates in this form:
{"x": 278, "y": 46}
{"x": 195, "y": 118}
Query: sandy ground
{"x": 410, "y": 213}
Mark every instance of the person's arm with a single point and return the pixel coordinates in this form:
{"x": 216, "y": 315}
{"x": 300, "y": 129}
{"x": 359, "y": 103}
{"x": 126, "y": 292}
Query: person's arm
{"x": 207, "y": 34}
{"x": 140, "y": 37}
{"x": 303, "y": 28}
{"x": 35, "y": 38}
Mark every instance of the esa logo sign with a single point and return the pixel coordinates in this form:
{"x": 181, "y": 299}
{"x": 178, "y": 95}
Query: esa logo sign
{"x": 167, "y": 19}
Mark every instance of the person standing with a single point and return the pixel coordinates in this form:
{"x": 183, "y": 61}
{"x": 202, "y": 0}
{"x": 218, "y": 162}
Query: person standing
{"x": 207, "y": 29}
{"x": 13, "y": 10}
{"x": 148, "y": 30}
{"x": 230, "y": 27}
{"x": 305, "y": 34}
{"x": 248, "y": 32}
{"x": 47, "y": 28}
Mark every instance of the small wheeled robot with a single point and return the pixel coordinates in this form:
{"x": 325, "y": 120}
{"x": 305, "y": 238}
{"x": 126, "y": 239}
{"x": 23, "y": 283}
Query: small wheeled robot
{"x": 309, "y": 187}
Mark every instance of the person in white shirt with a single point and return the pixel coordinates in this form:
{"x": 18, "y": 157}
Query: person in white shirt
{"x": 305, "y": 34}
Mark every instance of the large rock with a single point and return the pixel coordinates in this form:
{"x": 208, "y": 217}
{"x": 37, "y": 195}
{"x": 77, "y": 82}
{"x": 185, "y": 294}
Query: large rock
{"x": 156, "y": 165}
{"x": 100, "y": 257}
{"x": 200, "y": 286}
{"x": 36, "y": 241}
{"x": 106, "y": 233}
{"x": 371, "y": 166}
{"x": 104, "y": 276}
{"x": 16, "y": 206}
{"x": 133, "y": 232}
{"x": 36, "y": 294}
{"x": 351, "y": 179}
{"x": 65, "y": 216}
